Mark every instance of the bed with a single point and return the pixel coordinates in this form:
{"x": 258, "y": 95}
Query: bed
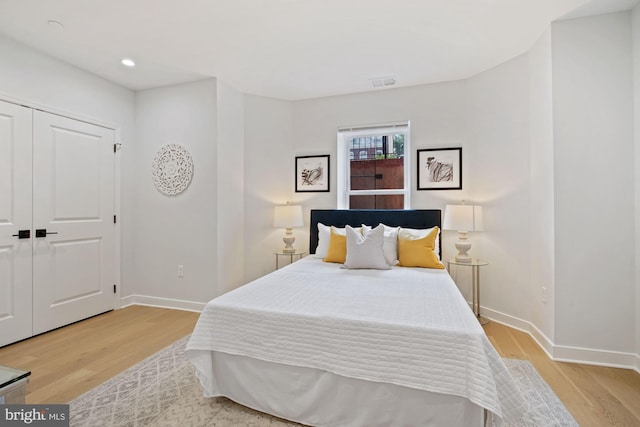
{"x": 324, "y": 345}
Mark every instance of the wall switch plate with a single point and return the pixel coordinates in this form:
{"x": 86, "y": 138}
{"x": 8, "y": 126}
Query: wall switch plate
{"x": 544, "y": 295}
{"x": 181, "y": 270}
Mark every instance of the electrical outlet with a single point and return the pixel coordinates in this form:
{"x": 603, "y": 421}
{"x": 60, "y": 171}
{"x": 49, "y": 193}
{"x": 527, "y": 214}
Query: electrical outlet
{"x": 544, "y": 294}
{"x": 181, "y": 270}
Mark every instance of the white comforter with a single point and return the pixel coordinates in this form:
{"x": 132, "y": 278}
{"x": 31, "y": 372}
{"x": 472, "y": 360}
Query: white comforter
{"x": 406, "y": 326}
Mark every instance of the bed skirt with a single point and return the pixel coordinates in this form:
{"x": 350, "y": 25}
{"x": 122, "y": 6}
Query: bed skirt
{"x": 319, "y": 398}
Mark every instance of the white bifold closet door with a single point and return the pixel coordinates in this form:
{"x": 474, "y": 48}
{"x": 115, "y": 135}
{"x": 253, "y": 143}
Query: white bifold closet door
{"x": 64, "y": 186}
{"x": 15, "y": 215}
{"x": 73, "y": 200}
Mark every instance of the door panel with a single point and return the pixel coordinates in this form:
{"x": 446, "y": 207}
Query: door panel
{"x": 73, "y": 197}
{"x": 75, "y": 155}
{"x": 70, "y": 281}
{"x": 15, "y": 214}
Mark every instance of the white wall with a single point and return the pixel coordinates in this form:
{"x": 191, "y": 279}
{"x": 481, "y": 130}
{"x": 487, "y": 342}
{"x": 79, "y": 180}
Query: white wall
{"x": 268, "y": 165}
{"x": 594, "y": 183}
{"x": 230, "y": 197}
{"x": 30, "y": 76}
{"x": 542, "y": 228}
{"x": 182, "y": 229}
{"x": 499, "y": 172}
{"x": 636, "y": 80}
{"x": 437, "y": 116}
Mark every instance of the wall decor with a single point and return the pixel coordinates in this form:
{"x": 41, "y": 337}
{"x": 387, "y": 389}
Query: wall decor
{"x": 172, "y": 169}
{"x": 312, "y": 174}
{"x": 440, "y": 169}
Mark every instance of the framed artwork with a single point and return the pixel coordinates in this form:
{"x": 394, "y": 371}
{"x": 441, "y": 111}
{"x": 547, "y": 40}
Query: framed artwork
{"x": 312, "y": 174}
{"x": 440, "y": 169}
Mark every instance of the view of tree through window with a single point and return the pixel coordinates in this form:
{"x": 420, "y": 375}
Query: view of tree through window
{"x": 376, "y": 162}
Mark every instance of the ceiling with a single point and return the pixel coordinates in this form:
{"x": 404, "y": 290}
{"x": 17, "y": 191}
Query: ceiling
{"x": 288, "y": 49}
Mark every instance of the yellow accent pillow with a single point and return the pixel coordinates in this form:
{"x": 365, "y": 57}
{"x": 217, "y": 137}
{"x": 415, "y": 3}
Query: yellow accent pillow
{"x": 414, "y": 252}
{"x": 337, "y": 251}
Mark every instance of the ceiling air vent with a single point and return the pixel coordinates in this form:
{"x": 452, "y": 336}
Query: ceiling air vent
{"x": 383, "y": 81}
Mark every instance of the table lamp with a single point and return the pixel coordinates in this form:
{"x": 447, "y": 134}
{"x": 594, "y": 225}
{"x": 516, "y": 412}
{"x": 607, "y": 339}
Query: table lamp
{"x": 287, "y": 217}
{"x": 463, "y": 218}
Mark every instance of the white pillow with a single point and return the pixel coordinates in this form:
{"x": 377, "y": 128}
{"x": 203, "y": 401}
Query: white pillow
{"x": 414, "y": 234}
{"x": 365, "y": 251}
{"x": 324, "y": 236}
{"x": 390, "y": 245}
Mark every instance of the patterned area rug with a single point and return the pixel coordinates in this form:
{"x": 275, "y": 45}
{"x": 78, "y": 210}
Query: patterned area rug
{"x": 163, "y": 391}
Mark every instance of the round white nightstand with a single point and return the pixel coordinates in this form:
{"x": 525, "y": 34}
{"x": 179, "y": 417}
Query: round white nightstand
{"x": 291, "y": 255}
{"x": 475, "y": 265}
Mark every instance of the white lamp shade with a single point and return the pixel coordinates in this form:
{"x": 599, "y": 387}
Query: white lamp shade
{"x": 463, "y": 218}
{"x": 288, "y": 216}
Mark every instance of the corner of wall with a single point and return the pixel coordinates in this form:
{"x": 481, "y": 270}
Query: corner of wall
{"x": 268, "y": 165}
{"x": 635, "y": 28}
{"x": 542, "y": 190}
{"x": 230, "y": 211}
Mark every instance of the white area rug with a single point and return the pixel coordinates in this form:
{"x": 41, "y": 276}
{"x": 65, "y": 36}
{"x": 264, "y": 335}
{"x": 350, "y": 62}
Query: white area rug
{"x": 162, "y": 390}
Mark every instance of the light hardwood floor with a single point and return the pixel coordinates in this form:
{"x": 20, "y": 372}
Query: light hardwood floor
{"x": 72, "y": 360}
{"x": 69, "y": 361}
{"x": 596, "y": 396}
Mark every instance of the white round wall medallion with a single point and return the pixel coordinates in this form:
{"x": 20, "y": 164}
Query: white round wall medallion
{"x": 172, "y": 169}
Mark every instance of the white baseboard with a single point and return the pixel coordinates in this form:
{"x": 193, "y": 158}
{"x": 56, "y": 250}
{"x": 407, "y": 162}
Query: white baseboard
{"x": 543, "y": 341}
{"x": 585, "y": 356}
{"x": 522, "y": 325}
{"x": 506, "y": 319}
{"x": 175, "y": 304}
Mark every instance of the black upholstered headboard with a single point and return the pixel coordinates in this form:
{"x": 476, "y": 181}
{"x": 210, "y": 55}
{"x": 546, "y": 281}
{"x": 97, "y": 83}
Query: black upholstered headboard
{"x": 415, "y": 218}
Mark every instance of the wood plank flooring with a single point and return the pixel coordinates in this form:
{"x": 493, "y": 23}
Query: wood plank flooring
{"x": 72, "y": 360}
{"x": 596, "y": 396}
{"x": 69, "y": 361}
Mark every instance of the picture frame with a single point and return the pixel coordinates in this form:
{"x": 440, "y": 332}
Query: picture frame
{"x": 313, "y": 174}
{"x": 440, "y": 169}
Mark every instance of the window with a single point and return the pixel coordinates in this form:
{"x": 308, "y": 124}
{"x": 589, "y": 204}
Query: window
{"x": 373, "y": 167}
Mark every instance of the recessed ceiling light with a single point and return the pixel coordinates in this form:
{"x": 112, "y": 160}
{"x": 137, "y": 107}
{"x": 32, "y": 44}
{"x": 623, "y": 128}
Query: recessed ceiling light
{"x": 128, "y": 62}
{"x": 55, "y": 24}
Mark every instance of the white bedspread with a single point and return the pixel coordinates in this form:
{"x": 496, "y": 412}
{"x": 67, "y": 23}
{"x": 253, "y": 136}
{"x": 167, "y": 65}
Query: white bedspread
{"x": 405, "y": 326}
